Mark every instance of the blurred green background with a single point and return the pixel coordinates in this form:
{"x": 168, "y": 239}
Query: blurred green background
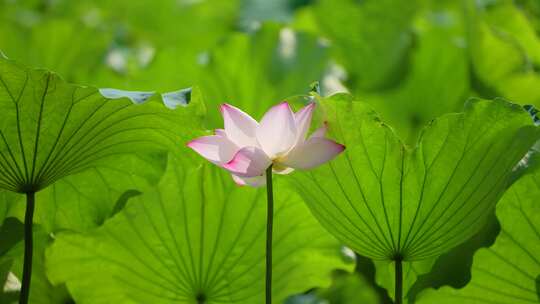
{"x": 412, "y": 60}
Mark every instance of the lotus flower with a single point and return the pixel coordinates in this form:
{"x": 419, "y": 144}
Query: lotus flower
{"x": 247, "y": 148}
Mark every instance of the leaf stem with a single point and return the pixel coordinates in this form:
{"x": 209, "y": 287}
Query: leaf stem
{"x": 269, "y": 227}
{"x": 399, "y": 281}
{"x": 28, "y": 248}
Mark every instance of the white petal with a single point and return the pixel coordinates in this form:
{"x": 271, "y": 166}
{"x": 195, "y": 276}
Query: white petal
{"x": 320, "y": 132}
{"x": 215, "y": 148}
{"x": 303, "y": 122}
{"x": 277, "y": 131}
{"x": 239, "y": 126}
{"x": 248, "y": 162}
{"x": 257, "y": 181}
{"x": 314, "y": 152}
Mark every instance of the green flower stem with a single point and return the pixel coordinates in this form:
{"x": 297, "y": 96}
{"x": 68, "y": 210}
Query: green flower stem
{"x": 269, "y": 227}
{"x": 399, "y": 281}
{"x": 28, "y": 244}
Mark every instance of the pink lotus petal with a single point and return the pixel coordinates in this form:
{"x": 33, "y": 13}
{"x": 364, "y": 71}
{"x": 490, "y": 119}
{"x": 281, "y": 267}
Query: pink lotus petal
{"x": 248, "y": 162}
{"x": 239, "y": 126}
{"x": 257, "y": 181}
{"x": 276, "y": 133}
{"x": 320, "y": 132}
{"x": 303, "y": 122}
{"x": 215, "y": 148}
{"x": 314, "y": 152}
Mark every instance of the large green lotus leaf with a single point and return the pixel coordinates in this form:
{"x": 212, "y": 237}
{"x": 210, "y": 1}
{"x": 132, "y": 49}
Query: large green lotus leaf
{"x": 51, "y": 129}
{"x": 508, "y": 271}
{"x": 370, "y": 38}
{"x": 505, "y": 49}
{"x": 42, "y": 291}
{"x": 85, "y": 200}
{"x": 196, "y": 236}
{"x": 427, "y": 92}
{"x": 453, "y": 268}
{"x": 388, "y": 201}
{"x": 254, "y": 71}
{"x": 78, "y": 202}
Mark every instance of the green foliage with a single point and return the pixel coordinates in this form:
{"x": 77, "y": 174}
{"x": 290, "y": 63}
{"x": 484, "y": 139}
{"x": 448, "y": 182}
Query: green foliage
{"x": 388, "y": 201}
{"x": 453, "y": 268}
{"x": 42, "y": 291}
{"x": 424, "y": 194}
{"x": 505, "y": 52}
{"x": 506, "y": 272}
{"x": 195, "y": 236}
{"x": 85, "y": 200}
{"x": 8, "y": 203}
{"x": 426, "y": 93}
{"x": 371, "y": 38}
{"x": 254, "y": 71}
{"x": 116, "y": 43}
{"x": 12, "y": 232}
{"x": 51, "y": 129}
{"x": 349, "y": 289}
